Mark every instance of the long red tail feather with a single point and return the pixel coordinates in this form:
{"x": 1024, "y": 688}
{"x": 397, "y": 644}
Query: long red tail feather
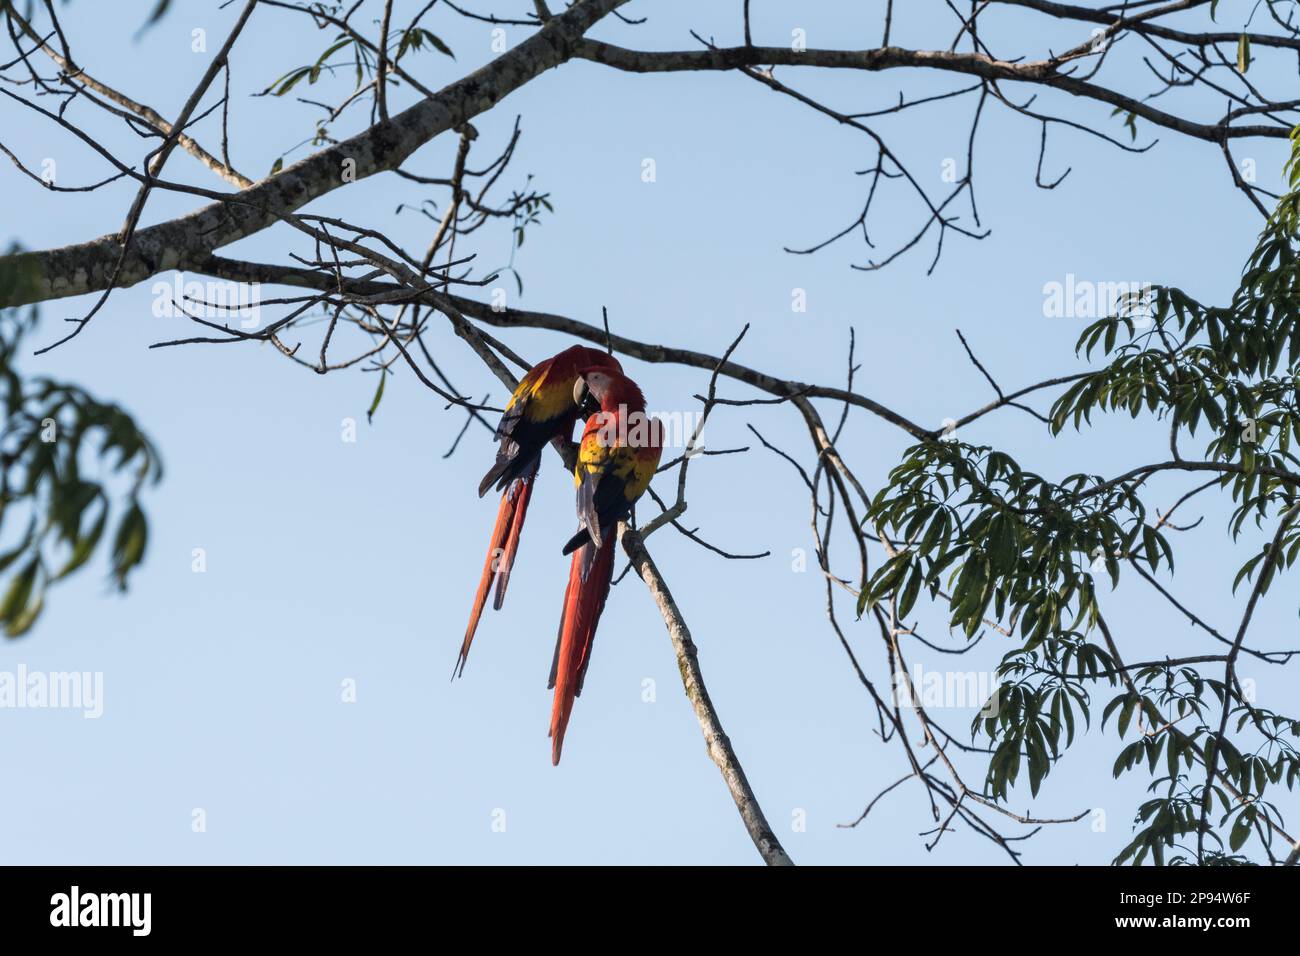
{"x": 583, "y": 602}
{"x": 512, "y": 539}
{"x": 502, "y": 548}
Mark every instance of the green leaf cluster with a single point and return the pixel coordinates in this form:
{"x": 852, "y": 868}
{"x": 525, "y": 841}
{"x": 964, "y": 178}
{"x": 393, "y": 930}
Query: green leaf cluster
{"x": 53, "y": 514}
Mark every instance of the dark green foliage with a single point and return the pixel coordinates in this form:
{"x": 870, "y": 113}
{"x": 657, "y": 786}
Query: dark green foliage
{"x": 996, "y": 542}
{"x": 54, "y": 516}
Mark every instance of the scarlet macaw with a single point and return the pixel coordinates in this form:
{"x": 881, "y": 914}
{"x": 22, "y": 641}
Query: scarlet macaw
{"x": 617, "y": 457}
{"x": 544, "y": 405}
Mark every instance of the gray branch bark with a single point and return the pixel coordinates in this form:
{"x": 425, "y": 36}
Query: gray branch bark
{"x": 1040, "y": 72}
{"x": 181, "y": 243}
{"x": 715, "y": 739}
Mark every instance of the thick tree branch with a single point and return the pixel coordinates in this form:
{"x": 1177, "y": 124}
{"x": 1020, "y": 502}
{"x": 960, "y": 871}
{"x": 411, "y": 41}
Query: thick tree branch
{"x": 715, "y": 739}
{"x": 181, "y": 243}
{"x": 513, "y": 318}
{"x": 1040, "y": 72}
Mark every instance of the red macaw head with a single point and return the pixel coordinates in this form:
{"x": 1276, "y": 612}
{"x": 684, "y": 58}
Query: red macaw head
{"x": 576, "y": 361}
{"x": 601, "y": 387}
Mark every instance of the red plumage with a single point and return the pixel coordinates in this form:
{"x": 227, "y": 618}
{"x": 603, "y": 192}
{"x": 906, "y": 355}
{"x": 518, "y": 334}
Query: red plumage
{"x": 584, "y": 600}
{"x": 542, "y": 408}
{"x": 617, "y": 457}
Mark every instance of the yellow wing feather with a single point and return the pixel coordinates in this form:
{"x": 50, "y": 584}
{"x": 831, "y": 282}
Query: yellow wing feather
{"x": 541, "y": 399}
{"x": 633, "y": 466}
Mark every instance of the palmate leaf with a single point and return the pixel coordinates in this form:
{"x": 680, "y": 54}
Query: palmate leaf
{"x": 1025, "y": 551}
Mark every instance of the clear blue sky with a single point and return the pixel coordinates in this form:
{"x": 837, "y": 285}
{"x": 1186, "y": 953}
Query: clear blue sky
{"x": 329, "y": 561}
